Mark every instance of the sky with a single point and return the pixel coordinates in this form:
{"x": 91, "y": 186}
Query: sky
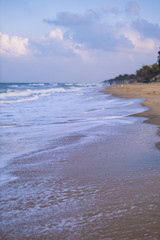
{"x": 85, "y": 41}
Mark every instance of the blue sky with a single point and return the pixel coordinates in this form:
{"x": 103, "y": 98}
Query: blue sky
{"x": 76, "y": 41}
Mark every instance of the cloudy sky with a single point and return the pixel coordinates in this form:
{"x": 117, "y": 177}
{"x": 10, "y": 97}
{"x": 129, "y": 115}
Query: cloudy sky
{"x": 76, "y": 41}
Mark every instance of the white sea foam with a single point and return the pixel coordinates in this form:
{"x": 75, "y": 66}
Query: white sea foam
{"x": 20, "y": 100}
{"x": 15, "y": 86}
{"x": 104, "y": 118}
{"x": 29, "y": 92}
{"x": 36, "y": 84}
{"x": 36, "y": 111}
{"x": 12, "y": 93}
{"x": 7, "y": 126}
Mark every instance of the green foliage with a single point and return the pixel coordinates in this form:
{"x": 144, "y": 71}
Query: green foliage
{"x": 145, "y": 74}
{"x": 159, "y": 58}
{"x": 155, "y": 69}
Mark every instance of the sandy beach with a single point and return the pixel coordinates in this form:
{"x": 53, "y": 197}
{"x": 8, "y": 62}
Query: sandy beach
{"x": 104, "y": 188}
{"x": 151, "y": 94}
{"x": 79, "y": 120}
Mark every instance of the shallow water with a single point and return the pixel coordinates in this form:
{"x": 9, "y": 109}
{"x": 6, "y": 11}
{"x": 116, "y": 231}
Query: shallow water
{"x": 33, "y": 115}
{"x": 108, "y": 189}
{"x": 78, "y": 171}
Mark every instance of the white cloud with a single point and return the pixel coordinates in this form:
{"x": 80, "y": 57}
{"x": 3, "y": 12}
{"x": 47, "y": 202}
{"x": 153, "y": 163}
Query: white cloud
{"x": 13, "y": 45}
{"x": 140, "y": 44}
{"x": 56, "y": 34}
{"x": 55, "y": 44}
{"x": 80, "y": 51}
{"x": 89, "y": 30}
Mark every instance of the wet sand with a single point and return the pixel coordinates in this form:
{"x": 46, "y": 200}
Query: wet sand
{"x": 108, "y": 189}
{"x": 104, "y": 190}
{"x": 151, "y": 94}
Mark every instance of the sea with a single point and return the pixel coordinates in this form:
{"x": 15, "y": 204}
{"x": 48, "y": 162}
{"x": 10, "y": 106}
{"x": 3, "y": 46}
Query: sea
{"x": 34, "y": 116}
{"x": 75, "y": 164}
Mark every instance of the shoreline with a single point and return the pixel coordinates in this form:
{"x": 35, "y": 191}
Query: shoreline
{"x": 102, "y": 189}
{"x": 91, "y": 193}
{"x": 150, "y": 92}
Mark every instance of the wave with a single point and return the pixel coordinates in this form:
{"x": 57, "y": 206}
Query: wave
{"x": 89, "y": 85}
{"x": 7, "y": 126}
{"x": 20, "y": 100}
{"x": 18, "y": 96}
{"x": 36, "y": 84}
{"x": 28, "y": 92}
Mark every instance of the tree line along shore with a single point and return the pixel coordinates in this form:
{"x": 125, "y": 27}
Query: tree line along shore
{"x": 146, "y": 74}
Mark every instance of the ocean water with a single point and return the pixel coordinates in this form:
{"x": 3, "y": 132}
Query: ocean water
{"x": 76, "y": 165}
{"x": 33, "y": 116}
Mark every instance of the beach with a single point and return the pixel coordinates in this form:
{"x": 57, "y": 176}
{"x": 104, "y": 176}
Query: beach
{"x": 149, "y": 92}
{"x": 98, "y": 182}
{"x": 79, "y": 120}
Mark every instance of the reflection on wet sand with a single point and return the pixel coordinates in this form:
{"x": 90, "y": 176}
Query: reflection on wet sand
{"x": 92, "y": 192}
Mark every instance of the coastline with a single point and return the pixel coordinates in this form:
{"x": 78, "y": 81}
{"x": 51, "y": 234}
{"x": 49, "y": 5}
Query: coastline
{"x": 149, "y": 92}
{"x": 108, "y": 189}
{"x": 102, "y": 189}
